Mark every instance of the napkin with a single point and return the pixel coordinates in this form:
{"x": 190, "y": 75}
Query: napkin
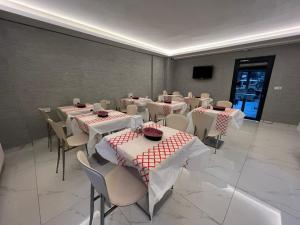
{"x": 97, "y": 107}
{"x": 75, "y": 101}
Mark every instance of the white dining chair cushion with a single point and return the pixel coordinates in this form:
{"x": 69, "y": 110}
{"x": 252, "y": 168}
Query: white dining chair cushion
{"x": 78, "y": 140}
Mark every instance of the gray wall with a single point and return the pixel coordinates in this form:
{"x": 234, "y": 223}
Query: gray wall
{"x": 44, "y": 68}
{"x": 280, "y": 106}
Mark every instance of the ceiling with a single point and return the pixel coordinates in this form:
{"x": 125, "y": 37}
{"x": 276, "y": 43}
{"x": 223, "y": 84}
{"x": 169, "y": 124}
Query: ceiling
{"x": 169, "y": 27}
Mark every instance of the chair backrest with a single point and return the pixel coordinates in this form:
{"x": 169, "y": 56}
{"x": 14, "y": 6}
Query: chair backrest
{"x": 132, "y": 109}
{"x": 130, "y": 95}
{"x": 104, "y": 103}
{"x": 226, "y": 104}
{"x": 205, "y": 95}
{"x": 178, "y": 98}
{"x": 190, "y": 94}
{"x": 119, "y": 104}
{"x": 195, "y": 103}
{"x": 97, "y": 107}
{"x": 59, "y": 130}
{"x": 177, "y": 121}
{"x": 76, "y": 100}
{"x": 96, "y": 178}
{"x": 176, "y": 93}
{"x": 202, "y": 124}
{"x": 160, "y": 98}
{"x": 152, "y": 111}
{"x": 165, "y": 92}
{"x": 44, "y": 114}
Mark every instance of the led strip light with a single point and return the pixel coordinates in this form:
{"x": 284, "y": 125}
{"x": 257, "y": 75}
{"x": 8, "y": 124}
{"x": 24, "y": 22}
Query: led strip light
{"x": 19, "y": 7}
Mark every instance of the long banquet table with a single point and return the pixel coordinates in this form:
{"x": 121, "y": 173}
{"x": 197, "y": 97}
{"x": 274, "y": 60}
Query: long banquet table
{"x": 159, "y": 163}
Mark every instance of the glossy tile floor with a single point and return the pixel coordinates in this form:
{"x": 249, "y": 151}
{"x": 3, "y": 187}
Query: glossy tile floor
{"x": 253, "y": 179}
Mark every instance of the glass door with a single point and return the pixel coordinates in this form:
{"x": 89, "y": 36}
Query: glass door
{"x": 250, "y": 85}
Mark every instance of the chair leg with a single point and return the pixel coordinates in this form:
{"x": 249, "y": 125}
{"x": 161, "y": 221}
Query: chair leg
{"x": 64, "y": 162}
{"x": 50, "y": 140}
{"x": 92, "y": 204}
{"x": 102, "y": 210}
{"x": 58, "y": 154}
{"x": 48, "y": 134}
{"x": 87, "y": 151}
{"x": 217, "y": 143}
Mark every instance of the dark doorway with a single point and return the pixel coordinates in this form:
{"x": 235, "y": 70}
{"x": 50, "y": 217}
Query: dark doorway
{"x": 250, "y": 83}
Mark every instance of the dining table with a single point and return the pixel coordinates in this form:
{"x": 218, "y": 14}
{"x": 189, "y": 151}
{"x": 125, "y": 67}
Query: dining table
{"x": 203, "y": 101}
{"x": 142, "y": 102}
{"x": 158, "y": 163}
{"x": 172, "y": 107}
{"x": 222, "y": 119}
{"x": 171, "y": 96}
{"x": 96, "y": 126}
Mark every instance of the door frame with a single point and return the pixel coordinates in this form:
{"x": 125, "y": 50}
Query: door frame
{"x": 269, "y": 68}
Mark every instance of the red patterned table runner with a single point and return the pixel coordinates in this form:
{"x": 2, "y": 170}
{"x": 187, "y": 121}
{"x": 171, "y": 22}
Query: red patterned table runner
{"x": 158, "y": 153}
{"x": 223, "y": 119}
{"x": 124, "y": 138}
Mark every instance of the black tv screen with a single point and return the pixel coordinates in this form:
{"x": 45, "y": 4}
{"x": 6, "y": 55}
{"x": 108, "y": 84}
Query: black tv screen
{"x": 202, "y": 72}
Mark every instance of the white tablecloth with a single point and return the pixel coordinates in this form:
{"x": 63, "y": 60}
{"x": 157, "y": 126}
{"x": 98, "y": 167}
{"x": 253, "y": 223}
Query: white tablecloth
{"x": 139, "y": 102}
{"x": 206, "y": 101}
{"x": 235, "y": 116}
{"x": 73, "y": 110}
{"x": 161, "y": 97}
{"x": 158, "y": 162}
{"x": 96, "y": 126}
{"x": 168, "y": 108}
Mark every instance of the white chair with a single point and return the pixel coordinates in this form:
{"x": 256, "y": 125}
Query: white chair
{"x": 104, "y": 103}
{"x": 205, "y": 95}
{"x": 118, "y": 188}
{"x": 45, "y": 114}
{"x": 1, "y": 158}
{"x": 190, "y": 95}
{"x": 67, "y": 143}
{"x": 120, "y": 106}
{"x": 132, "y": 109}
{"x": 165, "y": 92}
{"x": 154, "y": 113}
{"x": 203, "y": 127}
{"x": 195, "y": 102}
{"x": 176, "y": 93}
{"x": 130, "y": 95}
{"x": 177, "y": 121}
{"x": 97, "y": 107}
{"x": 226, "y": 104}
{"x": 76, "y": 101}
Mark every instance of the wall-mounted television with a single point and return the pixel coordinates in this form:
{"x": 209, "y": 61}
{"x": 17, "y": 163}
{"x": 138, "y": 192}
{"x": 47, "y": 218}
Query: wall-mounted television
{"x": 202, "y": 72}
